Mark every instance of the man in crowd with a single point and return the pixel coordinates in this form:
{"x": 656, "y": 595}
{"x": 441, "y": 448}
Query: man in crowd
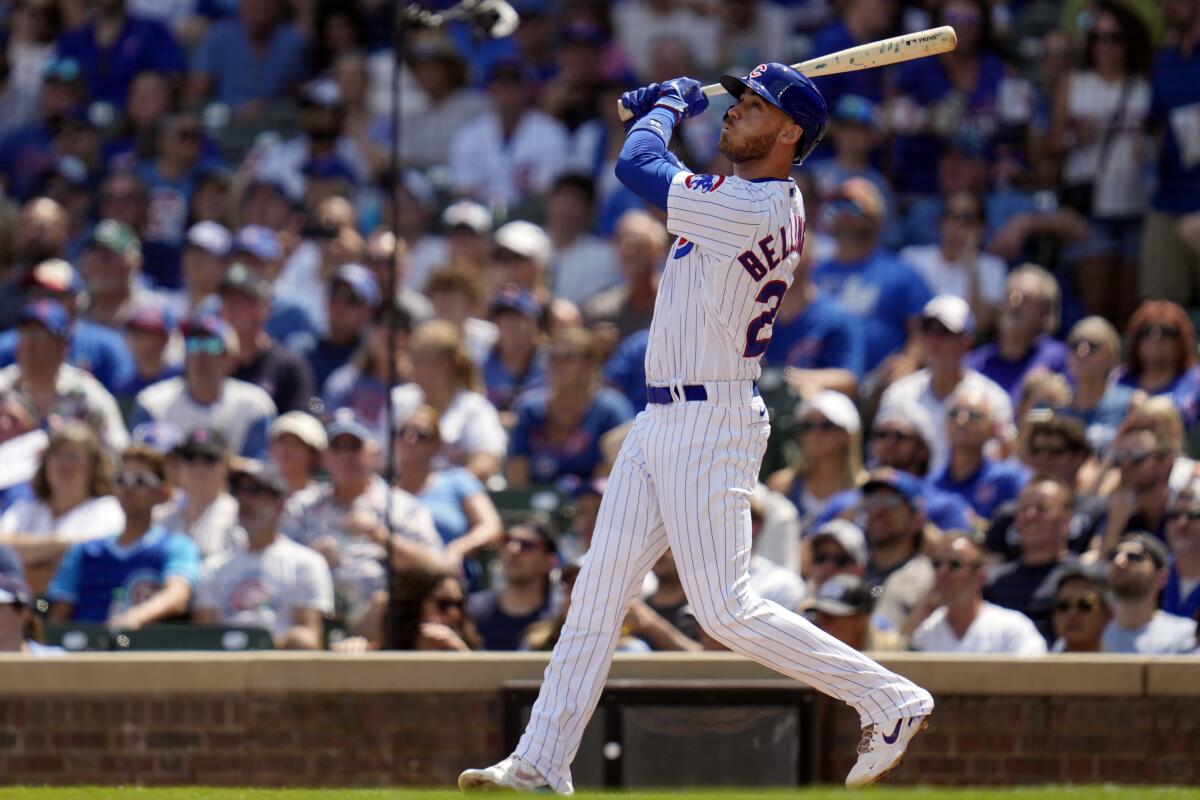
{"x": 981, "y": 481}
{"x": 1182, "y": 593}
{"x": 842, "y": 608}
{"x": 528, "y": 558}
{"x": 1139, "y": 503}
{"x": 1081, "y": 611}
{"x": 1137, "y": 573}
{"x": 897, "y": 575}
{"x": 275, "y": 583}
{"x": 353, "y": 297}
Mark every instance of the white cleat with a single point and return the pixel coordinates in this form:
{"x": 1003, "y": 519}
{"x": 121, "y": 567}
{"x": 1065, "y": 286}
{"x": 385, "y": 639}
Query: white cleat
{"x": 513, "y": 773}
{"x": 881, "y": 749}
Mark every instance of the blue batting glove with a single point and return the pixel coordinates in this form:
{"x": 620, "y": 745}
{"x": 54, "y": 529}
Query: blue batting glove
{"x": 683, "y": 96}
{"x": 640, "y": 101}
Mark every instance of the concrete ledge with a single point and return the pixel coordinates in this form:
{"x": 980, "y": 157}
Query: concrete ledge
{"x": 95, "y": 674}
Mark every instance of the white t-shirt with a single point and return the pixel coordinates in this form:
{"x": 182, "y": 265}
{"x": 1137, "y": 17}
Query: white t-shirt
{"x": 996, "y": 630}
{"x": 469, "y": 425}
{"x": 499, "y": 170}
{"x": 951, "y": 277}
{"x": 95, "y": 518}
{"x": 215, "y": 531}
{"x": 242, "y": 413}
{"x": 266, "y": 587}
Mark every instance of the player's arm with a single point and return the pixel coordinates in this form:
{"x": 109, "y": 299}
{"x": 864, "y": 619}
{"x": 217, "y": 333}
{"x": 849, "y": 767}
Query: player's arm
{"x": 645, "y": 165}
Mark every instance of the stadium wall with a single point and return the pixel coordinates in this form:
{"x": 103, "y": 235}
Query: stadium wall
{"x": 417, "y": 719}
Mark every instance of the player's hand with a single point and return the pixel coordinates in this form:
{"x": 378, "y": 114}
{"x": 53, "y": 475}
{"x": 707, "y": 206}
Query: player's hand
{"x": 640, "y": 101}
{"x": 683, "y": 96}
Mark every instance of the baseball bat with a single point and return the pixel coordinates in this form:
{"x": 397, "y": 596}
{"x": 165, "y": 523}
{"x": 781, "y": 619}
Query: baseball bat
{"x": 929, "y": 42}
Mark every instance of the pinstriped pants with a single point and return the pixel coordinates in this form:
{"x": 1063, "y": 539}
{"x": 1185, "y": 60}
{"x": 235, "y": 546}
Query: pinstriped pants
{"x": 683, "y": 479}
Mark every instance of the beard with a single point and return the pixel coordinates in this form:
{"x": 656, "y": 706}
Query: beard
{"x": 751, "y": 148}
{"x": 1132, "y": 589}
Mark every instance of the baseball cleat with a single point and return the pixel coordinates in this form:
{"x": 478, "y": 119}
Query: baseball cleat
{"x": 513, "y": 773}
{"x": 881, "y": 749}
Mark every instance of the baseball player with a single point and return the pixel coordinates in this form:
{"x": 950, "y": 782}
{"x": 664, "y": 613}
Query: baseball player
{"x": 685, "y": 474}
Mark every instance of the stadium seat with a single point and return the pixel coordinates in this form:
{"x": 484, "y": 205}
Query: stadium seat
{"x": 196, "y": 637}
{"x": 78, "y": 637}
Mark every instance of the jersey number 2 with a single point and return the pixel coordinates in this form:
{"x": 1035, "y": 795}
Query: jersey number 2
{"x": 770, "y": 294}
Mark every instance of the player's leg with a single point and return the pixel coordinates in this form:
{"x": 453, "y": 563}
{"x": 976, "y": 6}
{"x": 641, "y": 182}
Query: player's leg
{"x": 628, "y": 539}
{"x": 706, "y": 509}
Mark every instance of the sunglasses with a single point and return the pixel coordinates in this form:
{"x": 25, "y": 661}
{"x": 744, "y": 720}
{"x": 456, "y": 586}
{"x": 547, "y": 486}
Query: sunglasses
{"x": 1083, "y": 605}
{"x": 972, "y": 415}
{"x": 1132, "y": 556}
{"x": 1165, "y": 331}
{"x": 138, "y": 480}
{"x": 823, "y": 425}
{"x": 203, "y": 459}
{"x": 208, "y": 345}
{"x": 1192, "y": 514}
{"x": 1133, "y": 459}
{"x": 415, "y": 434}
{"x": 839, "y": 560}
{"x": 523, "y": 545}
{"x": 1047, "y": 450}
{"x": 953, "y": 563}
{"x": 898, "y": 436}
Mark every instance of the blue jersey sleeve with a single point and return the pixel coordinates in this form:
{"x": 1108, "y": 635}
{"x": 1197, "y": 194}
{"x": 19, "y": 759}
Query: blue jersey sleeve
{"x": 645, "y": 165}
{"x": 64, "y": 588}
{"x": 182, "y": 558}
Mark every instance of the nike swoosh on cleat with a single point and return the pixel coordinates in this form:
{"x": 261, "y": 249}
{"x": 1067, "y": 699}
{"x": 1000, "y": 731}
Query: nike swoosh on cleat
{"x": 895, "y": 733}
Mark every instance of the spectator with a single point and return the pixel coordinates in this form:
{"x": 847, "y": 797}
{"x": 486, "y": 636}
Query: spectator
{"x": 1168, "y": 268}
{"x": 983, "y": 482}
{"x": 457, "y": 297}
{"x": 356, "y": 521}
{"x": 205, "y": 395}
{"x": 873, "y": 286}
{"x": 353, "y": 298}
{"x": 839, "y": 547}
{"x": 522, "y": 257}
{"x": 1137, "y": 574}
{"x": 148, "y": 331}
{"x": 643, "y": 26}
{"x": 512, "y": 153}
{"x": 56, "y": 390}
{"x": 1028, "y": 318}
{"x": 445, "y": 377}
{"x": 956, "y": 264}
{"x": 114, "y": 46}
{"x": 1181, "y": 595}
{"x": 582, "y": 265}
{"x": 262, "y": 361}
{"x": 1028, "y": 584}
{"x": 388, "y": 257}
{"x": 1098, "y": 401}
{"x": 946, "y": 329}
{"x": 577, "y": 539}
{"x": 21, "y": 443}
{"x": 144, "y": 574}
{"x": 426, "y": 251}
{"x": 669, "y": 603}
{"x": 468, "y": 228}
{"x": 112, "y": 261}
{"x": 206, "y": 513}
{"x": 429, "y": 613}
{"x": 1081, "y": 612}
{"x": 517, "y": 362}
{"x": 898, "y": 575}
{"x": 1097, "y": 126}
{"x": 857, "y": 24}
{"x": 298, "y": 444}
{"x": 1056, "y": 449}
{"x": 20, "y": 627}
{"x": 450, "y": 105}
{"x": 842, "y": 608}
{"x": 828, "y": 459}
{"x": 275, "y": 583}
{"x": 956, "y": 618}
{"x": 42, "y": 234}
{"x": 528, "y": 559}
{"x": 28, "y": 151}
{"x": 1160, "y": 356}
{"x": 1139, "y": 503}
{"x": 616, "y": 313}
{"x": 203, "y": 264}
{"x": 246, "y": 61}
{"x": 559, "y": 427}
{"x": 464, "y": 515}
{"x": 150, "y": 98}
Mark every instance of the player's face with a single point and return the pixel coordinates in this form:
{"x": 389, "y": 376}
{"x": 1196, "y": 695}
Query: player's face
{"x": 750, "y": 129}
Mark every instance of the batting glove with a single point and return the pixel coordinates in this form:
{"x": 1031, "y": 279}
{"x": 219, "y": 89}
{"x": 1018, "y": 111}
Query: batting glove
{"x": 640, "y": 101}
{"x": 683, "y": 96}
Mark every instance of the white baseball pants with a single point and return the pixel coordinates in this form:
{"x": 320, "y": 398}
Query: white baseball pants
{"x": 683, "y": 479}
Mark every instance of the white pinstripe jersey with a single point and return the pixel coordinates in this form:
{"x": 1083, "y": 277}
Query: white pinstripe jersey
{"x": 738, "y": 244}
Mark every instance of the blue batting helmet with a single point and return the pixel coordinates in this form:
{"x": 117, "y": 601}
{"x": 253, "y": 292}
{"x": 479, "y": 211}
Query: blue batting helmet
{"x": 790, "y": 92}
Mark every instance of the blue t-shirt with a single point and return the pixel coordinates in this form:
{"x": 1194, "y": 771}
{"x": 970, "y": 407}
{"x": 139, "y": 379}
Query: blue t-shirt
{"x": 1046, "y": 353}
{"x": 1175, "y": 89}
{"x": 292, "y": 327}
{"x": 239, "y": 74}
{"x": 144, "y": 45}
{"x": 93, "y": 348}
{"x": 580, "y": 454}
{"x": 626, "y": 369}
{"x": 822, "y": 337}
{"x": 167, "y": 206}
{"x": 444, "y": 498}
{"x": 1184, "y": 392}
{"x": 503, "y": 388}
{"x": 994, "y": 483}
{"x": 1102, "y": 421}
{"x": 26, "y": 154}
{"x": 882, "y": 293}
{"x": 92, "y": 571}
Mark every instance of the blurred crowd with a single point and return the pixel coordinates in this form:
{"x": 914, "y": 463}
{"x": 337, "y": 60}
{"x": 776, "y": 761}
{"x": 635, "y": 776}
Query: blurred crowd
{"x": 214, "y": 410}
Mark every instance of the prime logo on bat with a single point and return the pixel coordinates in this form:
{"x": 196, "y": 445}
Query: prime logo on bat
{"x": 685, "y": 474}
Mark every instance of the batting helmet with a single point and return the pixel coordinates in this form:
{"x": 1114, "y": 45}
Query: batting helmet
{"x": 790, "y": 92}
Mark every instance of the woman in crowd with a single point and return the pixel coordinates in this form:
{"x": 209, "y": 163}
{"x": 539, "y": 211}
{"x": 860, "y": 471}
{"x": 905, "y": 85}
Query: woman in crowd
{"x": 1160, "y": 356}
{"x": 297, "y": 440}
{"x": 829, "y": 457}
{"x": 1098, "y": 401}
{"x": 559, "y": 427}
{"x": 445, "y": 377}
{"x": 72, "y": 503}
{"x": 465, "y": 516}
{"x": 429, "y": 613}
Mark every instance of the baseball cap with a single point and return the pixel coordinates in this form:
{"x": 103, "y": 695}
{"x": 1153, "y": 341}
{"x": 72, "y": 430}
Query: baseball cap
{"x": 14, "y": 591}
{"x": 513, "y": 298}
{"x": 161, "y": 437}
{"x": 258, "y": 472}
{"x": 360, "y": 280}
{"x": 55, "y": 275}
{"x": 467, "y": 214}
{"x": 346, "y": 423}
{"x": 203, "y": 442}
{"x": 211, "y": 237}
{"x": 525, "y": 239}
{"x": 902, "y": 483}
{"x": 50, "y": 314}
{"x": 322, "y": 92}
{"x": 859, "y": 196}
{"x": 856, "y": 108}
{"x": 303, "y": 426}
{"x": 115, "y": 236}
{"x": 1153, "y": 546}
{"x": 848, "y": 536}
{"x": 150, "y": 318}
{"x": 951, "y": 311}
{"x": 209, "y": 326}
{"x": 258, "y": 241}
{"x": 240, "y": 278}
{"x": 841, "y": 596}
{"x": 835, "y": 407}
{"x": 912, "y": 414}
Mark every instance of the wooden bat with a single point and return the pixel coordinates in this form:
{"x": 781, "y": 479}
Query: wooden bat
{"x": 864, "y": 56}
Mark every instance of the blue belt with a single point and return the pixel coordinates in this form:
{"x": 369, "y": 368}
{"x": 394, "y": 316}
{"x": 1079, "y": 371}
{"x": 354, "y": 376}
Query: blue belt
{"x": 661, "y": 395}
